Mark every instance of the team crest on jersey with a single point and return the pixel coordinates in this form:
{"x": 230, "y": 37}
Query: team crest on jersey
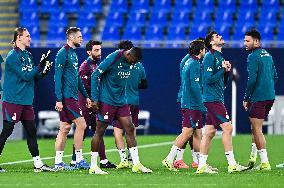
{"x": 209, "y": 69}
{"x": 196, "y": 79}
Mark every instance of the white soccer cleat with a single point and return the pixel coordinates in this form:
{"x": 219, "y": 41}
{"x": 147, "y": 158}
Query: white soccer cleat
{"x": 97, "y": 170}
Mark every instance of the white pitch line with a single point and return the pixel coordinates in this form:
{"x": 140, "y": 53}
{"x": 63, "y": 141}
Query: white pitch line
{"x": 88, "y": 153}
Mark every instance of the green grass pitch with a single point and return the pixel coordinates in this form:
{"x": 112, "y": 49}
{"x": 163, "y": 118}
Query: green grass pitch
{"x": 22, "y": 175}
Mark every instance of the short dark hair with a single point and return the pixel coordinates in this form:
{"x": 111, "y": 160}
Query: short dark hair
{"x": 136, "y": 52}
{"x": 208, "y": 39}
{"x": 72, "y": 30}
{"x": 91, "y": 43}
{"x": 253, "y": 33}
{"x": 195, "y": 47}
{"x": 17, "y": 32}
{"x": 125, "y": 45}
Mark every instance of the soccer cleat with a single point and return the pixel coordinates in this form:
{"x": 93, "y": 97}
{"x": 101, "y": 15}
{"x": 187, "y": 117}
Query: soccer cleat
{"x": 194, "y": 165}
{"x": 82, "y": 165}
{"x": 122, "y": 164}
{"x": 97, "y": 170}
{"x": 212, "y": 168}
{"x": 130, "y": 163}
{"x": 140, "y": 168}
{"x": 63, "y": 166}
{"x": 169, "y": 165}
{"x": 263, "y": 166}
{"x": 72, "y": 163}
{"x": 280, "y": 165}
{"x": 236, "y": 168}
{"x": 252, "y": 161}
{"x": 205, "y": 170}
{"x": 180, "y": 164}
{"x": 2, "y": 170}
{"x": 44, "y": 168}
{"x": 107, "y": 165}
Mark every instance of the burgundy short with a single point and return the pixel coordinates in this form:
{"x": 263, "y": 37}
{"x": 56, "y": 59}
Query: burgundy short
{"x": 70, "y": 111}
{"x": 134, "y": 111}
{"x": 16, "y": 112}
{"x": 192, "y": 118}
{"x": 109, "y": 113}
{"x": 90, "y": 118}
{"x": 260, "y": 110}
{"x": 217, "y": 113}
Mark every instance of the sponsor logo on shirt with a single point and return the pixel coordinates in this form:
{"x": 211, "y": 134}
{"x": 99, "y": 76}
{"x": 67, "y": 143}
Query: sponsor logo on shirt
{"x": 209, "y": 69}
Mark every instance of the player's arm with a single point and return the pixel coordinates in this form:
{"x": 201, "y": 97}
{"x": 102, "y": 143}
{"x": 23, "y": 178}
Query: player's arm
{"x": 82, "y": 88}
{"x": 13, "y": 64}
{"x": 85, "y": 76}
{"x": 60, "y": 61}
{"x": 252, "y": 68}
{"x": 210, "y": 76}
{"x": 143, "y": 84}
{"x": 105, "y": 65}
{"x": 226, "y": 78}
{"x": 275, "y": 73}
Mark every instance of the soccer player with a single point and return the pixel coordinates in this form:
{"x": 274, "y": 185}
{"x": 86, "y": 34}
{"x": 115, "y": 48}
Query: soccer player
{"x": 1, "y": 61}
{"x": 108, "y": 85}
{"x": 86, "y": 69}
{"x": 215, "y": 73}
{"x": 191, "y": 100}
{"x": 136, "y": 81}
{"x": 261, "y": 74}
{"x": 18, "y": 94}
{"x": 67, "y": 84}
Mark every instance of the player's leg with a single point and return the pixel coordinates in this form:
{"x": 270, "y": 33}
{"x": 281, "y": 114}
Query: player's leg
{"x": 179, "y": 162}
{"x": 197, "y": 136}
{"x": 253, "y": 154}
{"x": 119, "y": 141}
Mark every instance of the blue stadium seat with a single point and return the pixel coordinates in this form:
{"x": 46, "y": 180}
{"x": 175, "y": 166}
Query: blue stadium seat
{"x": 58, "y": 19}
{"x": 205, "y": 3}
{"x": 28, "y": 5}
{"x": 266, "y": 32}
{"x": 162, "y": 6}
{"x": 227, "y": 5}
{"x": 245, "y": 16}
{"x": 137, "y": 19}
{"x": 92, "y": 6}
{"x": 29, "y": 19}
{"x": 111, "y": 33}
{"x": 158, "y": 18}
{"x": 183, "y": 5}
{"x": 154, "y": 33}
{"x": 119, "y": 6}
{"x": 223, "y": 30}
{"x": 34, "y": 32}
{"x": 248, "y": 5}
{"x": 140, "y": 6}
{"x": 86, "y": 33}
{"x": 272, "y": 4}
{"x": 56, "y": 33}
{"x": 240, "y": 30}
{"x": 180, "y": 18}
{"x": 198, "y": 31}
{"x": 49, "y": 6}
{"x": 224, "y": 16}
{"x": 176, "y": 33}
{"x": 267, "y": 16}
{"x": 132, "y": 33}
{"x": 115, "y": 19}
{"x": 86, "y": 19}
{"x": 71, "y": 6}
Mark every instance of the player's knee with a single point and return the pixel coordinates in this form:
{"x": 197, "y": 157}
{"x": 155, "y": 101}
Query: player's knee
{"x": 228, "y": 129}
{"x": 65, "y": 128}
{"x": 8, "y": 128}
{"x": 130, "y": 129}
{"x": 210, "y": 133}
{"x": 80, "y": 123}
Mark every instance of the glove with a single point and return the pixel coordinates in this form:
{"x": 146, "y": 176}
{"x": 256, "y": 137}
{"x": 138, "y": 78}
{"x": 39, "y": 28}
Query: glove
{"x": 47, "y": 68}
{"x": 44, "y": 59}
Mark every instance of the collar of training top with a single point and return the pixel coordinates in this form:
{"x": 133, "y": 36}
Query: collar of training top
{"x": 254, "y": 49}
{"x": 91, "y": 61}
{"x": 194, "y": 57}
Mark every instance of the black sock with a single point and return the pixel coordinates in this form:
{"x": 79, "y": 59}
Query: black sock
{"x": 7, "y": 130}
{"x": 30, "y": 128}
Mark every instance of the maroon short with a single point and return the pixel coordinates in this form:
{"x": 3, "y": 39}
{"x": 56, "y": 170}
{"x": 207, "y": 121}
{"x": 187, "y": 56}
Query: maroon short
{"x": 134, "y": 111}
{"x": 90, "y": 118}
{"x": 109, "y": 113}
{"x": 192, "y": 118}
{"x": 217, "y": 113}
{"x": 70, "y": 111}
{"x": 16, "y": 112}
{"x": 260, "y": 110}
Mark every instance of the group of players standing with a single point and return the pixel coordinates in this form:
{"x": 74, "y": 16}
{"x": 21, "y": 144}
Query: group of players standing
{"x": 109, "y": 95}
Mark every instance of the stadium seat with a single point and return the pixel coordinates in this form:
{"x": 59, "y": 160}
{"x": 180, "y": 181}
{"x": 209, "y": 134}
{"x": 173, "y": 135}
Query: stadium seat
{"x": 49, "y": 6}
{"x": 227, "y": 5}
{"x": 86, "y": 19}
{"x": 111, "y": 33}
{"x": 140, "y": 6}
{"x": 158, "y": 18}
{"x": 272, "y": 4}
{"x": 183, "y": 5}
{"x": 132, "y": 33}
{"x": 58, "y": 19}
{"x": 267, "y": 16}
{"x": 86, "y": 33}
{"x": 29, "y": 19}
{"x": 56, "y": 34}
{"x": 92, "y": 6}
{"x": 223, "y": 30}
{"x": 71, "y": 6}
{"x": 34, "y": 32}
{"x": 154, "y": 33}
{"x": 176, "y": 33}
{"x": 115, "y": 19}
{"x": 137, "y": 19}
{"x": 180, "y": 18}
{"x": 119, "y": 6}
{"x": 197, "y": 31}
{"x": 248, "y": 5}
{"x": 28, "y": 5}
{"x": 162, "y": 6}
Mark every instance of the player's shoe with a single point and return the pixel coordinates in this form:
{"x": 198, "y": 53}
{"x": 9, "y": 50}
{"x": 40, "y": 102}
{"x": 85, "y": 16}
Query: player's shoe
{"x": 263, "y": 166}
{"x": 82, "y": 165}
{"x": 44, "y": 168}
{"x": 97, "y": 170}
{"x": 169, "y": 165}
{"x": 2, "y": 170}
{"x": 63, "y": 166}
{"x": 140, "y": 168}
{"x": 180, "y": 164}
{"x": 212, "y": 168}
{"x": 107, "y": 165}
{"x": 122, "y": 164}
{"x": 205, "y": 170}
{"x": 73, "y": 163}
{"x": 194, "y": 165}
{"x": 236, "y": 168}
{"x": 252, "y": 161}
{"x": 130, "y": 163}
{"x": 280, "y": 165}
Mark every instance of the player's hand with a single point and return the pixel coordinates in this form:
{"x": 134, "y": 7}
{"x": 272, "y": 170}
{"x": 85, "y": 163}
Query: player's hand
{"x": 245, "y": 105}
{"x": 58, "y": 106}
{"x": 89, "y": 103}
{"x": 95, "y": 105}
{"x": 226, "y": 65}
